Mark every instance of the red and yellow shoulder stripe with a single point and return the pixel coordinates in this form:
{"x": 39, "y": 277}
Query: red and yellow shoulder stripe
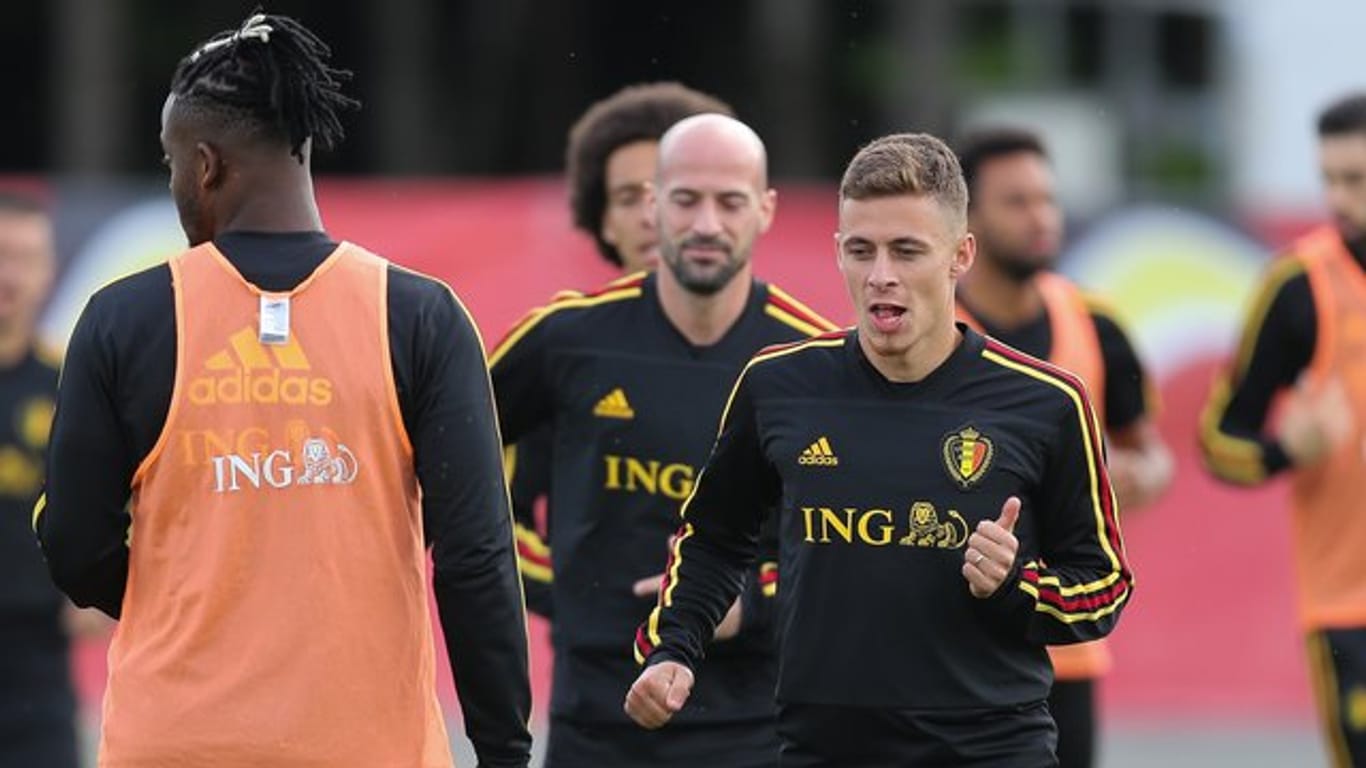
{"x": 781, "y": 306}
{"x": 1073, "y": 602}
{"x": 827, "y": 339}
{"x": 628, "y": 287}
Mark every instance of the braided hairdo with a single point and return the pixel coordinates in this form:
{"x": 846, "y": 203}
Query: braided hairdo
{"x": 271, "y": 75}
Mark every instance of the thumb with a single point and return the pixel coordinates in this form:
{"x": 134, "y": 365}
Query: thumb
{"x": 1010, "y": 514}
{"x": 680, "y": 685}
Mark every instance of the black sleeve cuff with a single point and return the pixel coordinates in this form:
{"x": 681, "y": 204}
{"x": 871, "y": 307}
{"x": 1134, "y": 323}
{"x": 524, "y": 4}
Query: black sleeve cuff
{"x": 1009, "y": 606}
{"x": 1274, "y": 458}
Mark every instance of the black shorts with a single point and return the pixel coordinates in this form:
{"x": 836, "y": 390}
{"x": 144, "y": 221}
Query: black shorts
{"x": 820, "y": 736}
{"x": 752, "y": 744}
{"x": 1073, "y": 705}
{"x": 37, "y": 702}
{"x": 1337, "y": 666}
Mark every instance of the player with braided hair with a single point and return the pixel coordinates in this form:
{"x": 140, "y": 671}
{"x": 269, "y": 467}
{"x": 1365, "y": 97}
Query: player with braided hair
{"x": 286, "y": 411}
{"x": 272, "y": 75}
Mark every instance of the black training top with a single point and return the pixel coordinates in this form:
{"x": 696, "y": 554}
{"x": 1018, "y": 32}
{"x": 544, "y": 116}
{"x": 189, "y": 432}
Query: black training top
{"x": 878, "y": 485}
{"x": 633, "y": 407}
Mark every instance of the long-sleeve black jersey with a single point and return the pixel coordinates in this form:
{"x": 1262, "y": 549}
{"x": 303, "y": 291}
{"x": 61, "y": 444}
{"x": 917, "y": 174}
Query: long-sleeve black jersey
{"x": 1278, "y": 339}
{"x": 878, "y": 486}
{"x": 633, "y": 407}
{"x": 115, "y": 392}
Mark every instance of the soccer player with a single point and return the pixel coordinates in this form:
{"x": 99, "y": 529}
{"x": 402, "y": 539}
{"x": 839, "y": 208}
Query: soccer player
{"x": 633, "y": 378}
{"x": 1305, "y": 340}
{"x": 613, "y": 151}
{"x": 1012, "y": 295}
{"x": 293, "y": 417}
{"x": 37, "y": 703}
{"x": 943, "y": 507}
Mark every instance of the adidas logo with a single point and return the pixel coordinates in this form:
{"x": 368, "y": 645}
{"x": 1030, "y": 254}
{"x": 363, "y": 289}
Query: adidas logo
{"x": 614, "y": 405}
{"x": 819, "y": 454}
{"x": 250, "y": 372}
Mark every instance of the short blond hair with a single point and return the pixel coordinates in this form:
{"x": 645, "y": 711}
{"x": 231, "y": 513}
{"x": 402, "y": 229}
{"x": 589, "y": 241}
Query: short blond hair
{"x": 908, "y": 164}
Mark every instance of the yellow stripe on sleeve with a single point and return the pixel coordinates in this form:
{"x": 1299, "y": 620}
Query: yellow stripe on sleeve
{"x": 1088, "y": 428}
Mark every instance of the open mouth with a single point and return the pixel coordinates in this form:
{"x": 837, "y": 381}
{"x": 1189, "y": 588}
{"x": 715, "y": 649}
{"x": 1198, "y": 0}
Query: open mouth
{"x": 886, "y": 317}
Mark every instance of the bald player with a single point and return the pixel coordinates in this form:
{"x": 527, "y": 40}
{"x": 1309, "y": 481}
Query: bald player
{"x": 610, "y": 163}
{"x": 632, "y": 379}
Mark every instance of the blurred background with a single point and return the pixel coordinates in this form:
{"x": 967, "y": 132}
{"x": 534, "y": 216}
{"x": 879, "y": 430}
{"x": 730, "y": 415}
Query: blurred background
{"x": 1181, "y": 130}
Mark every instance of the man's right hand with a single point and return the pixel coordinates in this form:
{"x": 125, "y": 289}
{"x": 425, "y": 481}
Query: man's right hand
{"x": 1316, "y": 420}
{"x": 659, "y": 693}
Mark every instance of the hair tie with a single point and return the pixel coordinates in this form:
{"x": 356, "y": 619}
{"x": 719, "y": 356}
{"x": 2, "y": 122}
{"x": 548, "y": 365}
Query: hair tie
{"x": 254, "y": 28}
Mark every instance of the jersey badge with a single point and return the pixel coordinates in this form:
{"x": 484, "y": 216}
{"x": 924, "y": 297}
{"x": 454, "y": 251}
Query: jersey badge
{"x": 967, "y": 456}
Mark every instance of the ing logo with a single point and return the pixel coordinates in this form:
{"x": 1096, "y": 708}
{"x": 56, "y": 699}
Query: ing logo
{"x": 927, "y": 531}
{"x": 877, "y": 527}
{"x": 318, "y": 462}
{"x": 248, "y": 371}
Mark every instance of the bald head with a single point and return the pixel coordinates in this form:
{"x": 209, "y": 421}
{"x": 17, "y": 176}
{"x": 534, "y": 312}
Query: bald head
{"x": 712, "y": 201}
{"x": 715, "y": 141}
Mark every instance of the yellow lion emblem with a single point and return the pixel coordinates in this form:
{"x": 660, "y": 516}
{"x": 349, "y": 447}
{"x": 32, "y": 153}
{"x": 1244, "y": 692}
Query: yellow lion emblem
{"x": 927, "y": 530}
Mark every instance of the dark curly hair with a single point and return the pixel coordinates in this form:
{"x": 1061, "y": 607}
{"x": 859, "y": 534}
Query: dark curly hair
{"x": 635, "y": 113}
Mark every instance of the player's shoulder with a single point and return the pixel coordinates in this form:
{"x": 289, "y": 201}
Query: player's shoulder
{"x": 599, "y": 309}
{"x": 790, "y": 314}
{"x": 1026, "y": 379}
{"x": 1284, "y": 288}
{"x": 570, "y": 310}
{"x": 1288, "y": 266}
{"x": 805, "y": 359}
{"x": 1107, "y": 318}
{"x": 417, "y": 299}
{"x": 138, "y": 297}
{"x": 622, "y": 291}
{"x": 407, "y": 283}
{"x": 136, "y": 285}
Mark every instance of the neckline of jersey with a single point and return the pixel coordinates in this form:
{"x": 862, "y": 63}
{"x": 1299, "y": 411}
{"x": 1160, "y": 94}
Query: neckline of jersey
{"x": 758, "y": 296}
{"x": 969, "y": 347}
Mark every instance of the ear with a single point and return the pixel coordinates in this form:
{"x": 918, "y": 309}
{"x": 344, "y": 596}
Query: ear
{"x": 963, "y": 256}
{"x": 209, "y": 162}
{"x": 768, "y": 205}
